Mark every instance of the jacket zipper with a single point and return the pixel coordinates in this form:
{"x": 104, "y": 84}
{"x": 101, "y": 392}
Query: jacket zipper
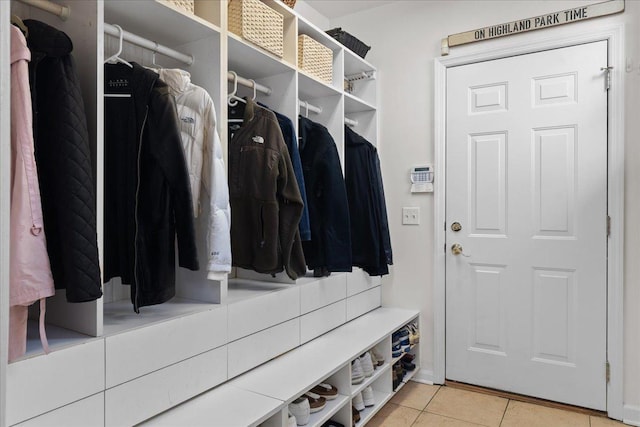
{"x": 262, "y": 241}
{"x": 135, "y": 242}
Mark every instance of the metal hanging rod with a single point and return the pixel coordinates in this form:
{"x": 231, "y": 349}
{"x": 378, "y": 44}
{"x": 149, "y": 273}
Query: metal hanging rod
{"x": 48, "y": 6}
{"x": 350, "y": 122}
{"x": 364, "y": 75}
{"x": 249, "y": 83}
{"x": 309, "y": 107}
{"x": 147, "y": 44}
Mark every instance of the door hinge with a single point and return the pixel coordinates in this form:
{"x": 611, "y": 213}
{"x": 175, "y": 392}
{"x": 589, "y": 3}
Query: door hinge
{"x": 607, "y": 77}
{"x": 608, "y": 226}
{"x": 608, "y": 371}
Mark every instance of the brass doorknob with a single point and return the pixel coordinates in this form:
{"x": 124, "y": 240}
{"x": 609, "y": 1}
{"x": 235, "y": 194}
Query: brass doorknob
{"x": 456, "y": 249}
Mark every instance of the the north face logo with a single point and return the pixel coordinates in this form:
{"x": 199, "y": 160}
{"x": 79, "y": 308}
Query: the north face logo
{"x": 188, "y": 120}
{"x": 258, "y": 139}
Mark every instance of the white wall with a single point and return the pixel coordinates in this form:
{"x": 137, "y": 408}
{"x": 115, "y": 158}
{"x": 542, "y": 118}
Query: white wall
{"x": 405, "y": 39}
{"x": 312, "y": 15}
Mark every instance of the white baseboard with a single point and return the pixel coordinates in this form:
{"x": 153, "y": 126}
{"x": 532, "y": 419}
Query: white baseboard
{"x": 423, "y": 376}
{"x": 631, "y": 415}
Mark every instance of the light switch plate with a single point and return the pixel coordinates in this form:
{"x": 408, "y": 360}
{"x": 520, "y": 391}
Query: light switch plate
{"x": 411, "y": 216}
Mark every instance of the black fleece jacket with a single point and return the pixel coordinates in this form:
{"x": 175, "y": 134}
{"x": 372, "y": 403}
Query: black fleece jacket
{"x": 147, "y": 191}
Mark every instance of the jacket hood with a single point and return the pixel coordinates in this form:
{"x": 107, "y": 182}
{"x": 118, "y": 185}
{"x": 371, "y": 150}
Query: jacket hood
{"x": 47, "y": 39}
{"x": 178, "y": 80}
{"x": 19, "y": 49}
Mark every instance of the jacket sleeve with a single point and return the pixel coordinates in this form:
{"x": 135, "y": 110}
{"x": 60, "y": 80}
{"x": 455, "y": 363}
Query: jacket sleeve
{"x": 294, "y": 154}
{"x": 335, "y": 212}
{"x": 170, "y": 156}
{"x": 215, "y": 184}
{"x": 381, "y": 211}
{"x": 290, "y": 206}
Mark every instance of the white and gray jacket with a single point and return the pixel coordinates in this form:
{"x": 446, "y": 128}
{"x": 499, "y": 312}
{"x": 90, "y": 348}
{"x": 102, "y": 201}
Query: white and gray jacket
{"x": 203, "y": 152}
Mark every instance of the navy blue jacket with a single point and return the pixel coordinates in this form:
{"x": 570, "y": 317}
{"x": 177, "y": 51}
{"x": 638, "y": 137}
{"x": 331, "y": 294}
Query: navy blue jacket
{"x": 330, "y": 247}
{"x": 290, "y": 140}
{"x": 371, "y": 244}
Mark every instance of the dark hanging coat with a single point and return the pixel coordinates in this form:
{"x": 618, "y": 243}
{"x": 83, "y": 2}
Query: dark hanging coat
{"x": 370, "y": 233}
{"x": 329, "y": 249}
{"x": 63, "y": 159}
{"x": 266, "y": 205}
{"x": 147, "y": 190}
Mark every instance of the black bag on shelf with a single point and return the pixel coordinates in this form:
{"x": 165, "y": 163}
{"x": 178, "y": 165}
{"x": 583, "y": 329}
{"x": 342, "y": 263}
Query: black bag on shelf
{"x": 349, "y": 41}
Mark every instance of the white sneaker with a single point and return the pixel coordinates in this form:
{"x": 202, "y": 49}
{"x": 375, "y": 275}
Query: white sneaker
{"x": 291, "y": 421}
{"x": 357, "y": 375}
{"x": 367, "y": 397}
{"x": 377, "y": 355}
{"x": 301, "y": 410}
{"x": 367, "y": 364}
{"x": 358, "y": 403}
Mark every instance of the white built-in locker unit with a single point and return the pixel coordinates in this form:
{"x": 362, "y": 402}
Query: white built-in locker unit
{"x": 109, "y": 366}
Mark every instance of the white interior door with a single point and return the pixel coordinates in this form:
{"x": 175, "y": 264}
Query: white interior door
{"x": 527, "y": 182}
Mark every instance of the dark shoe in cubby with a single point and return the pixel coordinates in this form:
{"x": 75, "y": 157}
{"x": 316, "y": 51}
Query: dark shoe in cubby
{"x": 408, "y": 366}
{"x": 408, "y": 357}
{"x": 355, "y": 415}
{"x": 396, "y": 382}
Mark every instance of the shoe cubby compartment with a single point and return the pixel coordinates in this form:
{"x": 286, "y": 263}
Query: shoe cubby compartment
{"x": 379, "y": 371}
{"x": 338, "y": 380}
{"x": 412, "y": 350}
{"x": 382, "y": 393}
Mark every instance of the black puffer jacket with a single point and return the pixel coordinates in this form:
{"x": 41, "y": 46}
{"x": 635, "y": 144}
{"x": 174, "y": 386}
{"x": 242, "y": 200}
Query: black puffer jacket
{"x": 147, "y": 190}
{"x": 63, "y": 159}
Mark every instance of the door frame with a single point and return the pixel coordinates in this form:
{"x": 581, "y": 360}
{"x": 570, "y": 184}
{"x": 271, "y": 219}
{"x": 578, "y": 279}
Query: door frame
{"x": 519, "y": 45}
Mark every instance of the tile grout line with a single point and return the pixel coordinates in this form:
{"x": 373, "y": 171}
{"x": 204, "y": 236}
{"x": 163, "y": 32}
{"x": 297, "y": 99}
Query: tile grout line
{"x": 504, "y": 413}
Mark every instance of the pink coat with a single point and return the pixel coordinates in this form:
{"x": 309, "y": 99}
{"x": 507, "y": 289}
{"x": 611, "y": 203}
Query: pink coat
{"x": 30, "y": 276}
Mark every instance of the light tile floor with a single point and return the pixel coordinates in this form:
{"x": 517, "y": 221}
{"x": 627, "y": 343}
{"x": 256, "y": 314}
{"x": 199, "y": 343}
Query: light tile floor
{"x": 421, "y": 405}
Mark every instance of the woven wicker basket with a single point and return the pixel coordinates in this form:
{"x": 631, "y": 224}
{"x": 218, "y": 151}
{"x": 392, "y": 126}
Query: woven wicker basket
{"x": 315, "y": 58}
{"x": 186, "y": 5}
{"x": 258, "y": 23}
{"x": 289, "y": 3}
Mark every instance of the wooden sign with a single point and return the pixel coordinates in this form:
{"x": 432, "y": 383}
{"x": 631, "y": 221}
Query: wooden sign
{"x": 538, "y": 22}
